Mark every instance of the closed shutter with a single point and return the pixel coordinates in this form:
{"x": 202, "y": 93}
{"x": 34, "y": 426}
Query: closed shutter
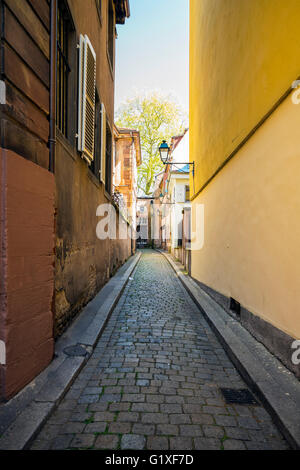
{"x": 86, "y": 106}
{"x": 103, "y": 143}
{"x": 80, "y": 92}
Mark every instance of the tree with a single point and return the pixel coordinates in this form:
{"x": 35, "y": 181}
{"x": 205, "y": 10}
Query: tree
{"x": 157, "y": 118}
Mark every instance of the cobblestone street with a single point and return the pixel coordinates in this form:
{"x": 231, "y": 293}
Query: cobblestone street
{"x": 153, "y": 381}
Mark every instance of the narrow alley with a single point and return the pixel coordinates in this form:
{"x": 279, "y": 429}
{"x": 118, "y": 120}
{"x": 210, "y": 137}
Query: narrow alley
{"x": 153, "y": 381}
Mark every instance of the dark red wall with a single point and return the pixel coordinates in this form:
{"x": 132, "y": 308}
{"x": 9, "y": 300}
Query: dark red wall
{"x": 26, "y": 270}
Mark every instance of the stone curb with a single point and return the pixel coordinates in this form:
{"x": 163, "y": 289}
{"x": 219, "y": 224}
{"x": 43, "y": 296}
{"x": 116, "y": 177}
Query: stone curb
{"x": 276, "y": 387}
{"x": 22, "y": 417}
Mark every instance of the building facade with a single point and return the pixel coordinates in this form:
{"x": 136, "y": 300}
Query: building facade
{"x": 128, "y": 157}
{"x": 178, "y": 199}
{"x": 244, "y": 126}
{"x": 171, "y": 216}
{"x": 144, "y": 236}
{"x": 57, "y": 121}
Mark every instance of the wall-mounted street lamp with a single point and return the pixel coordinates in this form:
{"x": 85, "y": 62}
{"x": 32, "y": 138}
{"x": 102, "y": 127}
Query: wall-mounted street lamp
{"x": 164, "y": 152}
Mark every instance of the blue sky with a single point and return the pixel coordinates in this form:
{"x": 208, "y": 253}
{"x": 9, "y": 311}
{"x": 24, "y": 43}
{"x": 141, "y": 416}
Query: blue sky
{"x": 152, "y": 50}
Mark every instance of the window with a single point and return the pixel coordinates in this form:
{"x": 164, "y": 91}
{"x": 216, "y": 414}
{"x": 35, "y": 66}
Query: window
{"x": 111, "y": 33}
{"x": 108, "y": 158}
{"x": 63, "y": 69}
{"x": 86, "y": 99}
{"x": 187, "y": 193}
{"x": 96, "y": 163}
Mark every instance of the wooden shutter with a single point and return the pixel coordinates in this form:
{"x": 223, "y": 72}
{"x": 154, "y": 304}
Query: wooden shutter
{"x": 80, "y": 92}
{"x": 86, "y": 104}
{"x": 103, "y": 143}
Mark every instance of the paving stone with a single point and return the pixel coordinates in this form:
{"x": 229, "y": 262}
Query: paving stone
{"x": 133, "y": 442}
{"x": 223, "y": 420}
{"x": 252, "y": 445}
{"x": 83, "y": 441}
{"x": 105, "y": 382}
{"x": 131, "y": 389}
{"x": 107, "y": 441}
{"x": 133, "y": 397}
{"x": 98, "y": 406}
{"x": 120, "y": 428}
{"x": 167, "y": 429}
{"x": 232, "y": 444}
{"x": 104, "y": 416}
{"x": 110, "y": 398}
{"x": 237, "y": 433}
{"x": 174, "y": 399}
{"x": 191, "y": 409}
{"x": 154, "y": 418}
{"x": 202, "y": 419}
{"x": 180, "y": 419}
{"x": 72, "y": 428}
{"x": 207, "y": 443}
{"x": 171, "y": 408}
{"x": 128, "y": 417}
{"x": 151, "y": 398}
{"x": 97, "y": 427}
{"x": 213, "y": 431}
{"x": 181, "y": 443}
{"x": 119, "y": 406}
{"x": 147, "y": 407}
{"x": 192, "y": 430}
{"x": 157, "y": 443}
{"x": 81, "y": 417}
{"x": 144, "y": 429}
{"x": 113, "y": 390}
{"x": 143, "y": 382}
{"x": 214, "y": 410}
{"x": 88, "y": 399}
{"x": 247, "y": 422}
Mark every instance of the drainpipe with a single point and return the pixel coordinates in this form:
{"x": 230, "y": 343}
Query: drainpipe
{"x": 52, "y": 117}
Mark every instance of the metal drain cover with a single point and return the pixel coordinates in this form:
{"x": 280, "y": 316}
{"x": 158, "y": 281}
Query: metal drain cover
{"x": 75, "y": 350}
{"x": 238, "y": 396}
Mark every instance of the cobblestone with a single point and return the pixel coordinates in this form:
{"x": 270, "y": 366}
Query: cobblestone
{"x": 154, "y": 378}
{"x": 133, "y": 441}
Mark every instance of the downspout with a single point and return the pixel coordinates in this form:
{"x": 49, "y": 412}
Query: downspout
{"x": 52, "y": 116}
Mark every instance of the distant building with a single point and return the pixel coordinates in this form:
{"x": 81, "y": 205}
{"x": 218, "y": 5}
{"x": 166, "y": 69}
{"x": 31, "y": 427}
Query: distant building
{"x": 127, "y": 159}
{"x": 144, "y": 222}
{"x": 175, "y": 201}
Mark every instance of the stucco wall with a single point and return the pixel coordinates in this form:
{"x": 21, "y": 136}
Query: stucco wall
{"x": 26, "y": 270}
{"x": 244, "y": 55}
{"x": 252, "y": 230}
{"x": 84, "y": 263}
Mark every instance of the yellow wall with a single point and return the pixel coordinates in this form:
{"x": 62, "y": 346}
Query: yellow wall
{"x": 244, "y": 55}
{"x": 251, "y": 247}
